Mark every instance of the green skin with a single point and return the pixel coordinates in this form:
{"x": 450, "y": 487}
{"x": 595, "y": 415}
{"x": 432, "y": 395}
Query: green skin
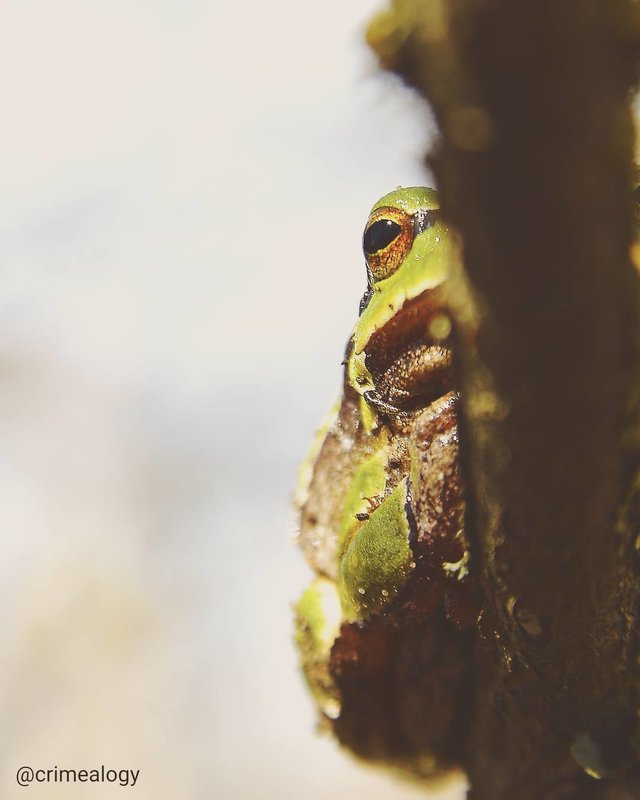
{"x": 374, "y": 559}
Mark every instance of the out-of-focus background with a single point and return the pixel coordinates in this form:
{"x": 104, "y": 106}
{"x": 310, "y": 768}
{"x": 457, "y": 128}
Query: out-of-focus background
{"x": 184, "y": 185}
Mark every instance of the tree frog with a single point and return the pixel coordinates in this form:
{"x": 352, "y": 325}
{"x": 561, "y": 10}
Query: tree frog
{"x": 383, "y": 630}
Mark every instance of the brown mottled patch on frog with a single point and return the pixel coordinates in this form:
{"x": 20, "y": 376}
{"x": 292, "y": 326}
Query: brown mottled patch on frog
{"x": 343, "y": 448}
{"x": 415, "y": 670}
{"x": 410, "y": 363}
{"x": 438, "y": 493}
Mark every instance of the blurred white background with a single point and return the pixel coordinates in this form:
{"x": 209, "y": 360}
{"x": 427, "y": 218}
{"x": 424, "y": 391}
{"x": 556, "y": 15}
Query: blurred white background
{"x": 184, "y": 185}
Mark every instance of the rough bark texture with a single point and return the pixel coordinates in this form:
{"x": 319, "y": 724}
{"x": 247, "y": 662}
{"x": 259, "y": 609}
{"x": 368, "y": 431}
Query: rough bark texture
{"x": 534, "y": 169}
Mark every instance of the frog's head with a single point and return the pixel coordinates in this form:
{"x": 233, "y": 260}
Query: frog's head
{"x": 397, "y": 238}
{"x": 406, "y": 248}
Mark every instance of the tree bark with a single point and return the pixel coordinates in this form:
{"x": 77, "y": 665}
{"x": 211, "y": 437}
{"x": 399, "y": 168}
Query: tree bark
{"x": 533, "y": 163}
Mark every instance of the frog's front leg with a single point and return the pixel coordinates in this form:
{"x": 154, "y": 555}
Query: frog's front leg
{"x": 412, "y": 543}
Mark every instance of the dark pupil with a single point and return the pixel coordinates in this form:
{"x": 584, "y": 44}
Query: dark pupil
{"x": 379, "y": 235}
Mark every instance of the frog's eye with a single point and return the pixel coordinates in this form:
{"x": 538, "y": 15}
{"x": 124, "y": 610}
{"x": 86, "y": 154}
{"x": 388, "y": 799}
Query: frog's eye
{"x": 387, "y": 239}
{"x": 380, "y": 234}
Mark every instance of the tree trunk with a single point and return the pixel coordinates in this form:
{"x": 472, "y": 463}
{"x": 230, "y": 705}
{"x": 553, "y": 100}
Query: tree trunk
{"x": 534, "y": 168}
